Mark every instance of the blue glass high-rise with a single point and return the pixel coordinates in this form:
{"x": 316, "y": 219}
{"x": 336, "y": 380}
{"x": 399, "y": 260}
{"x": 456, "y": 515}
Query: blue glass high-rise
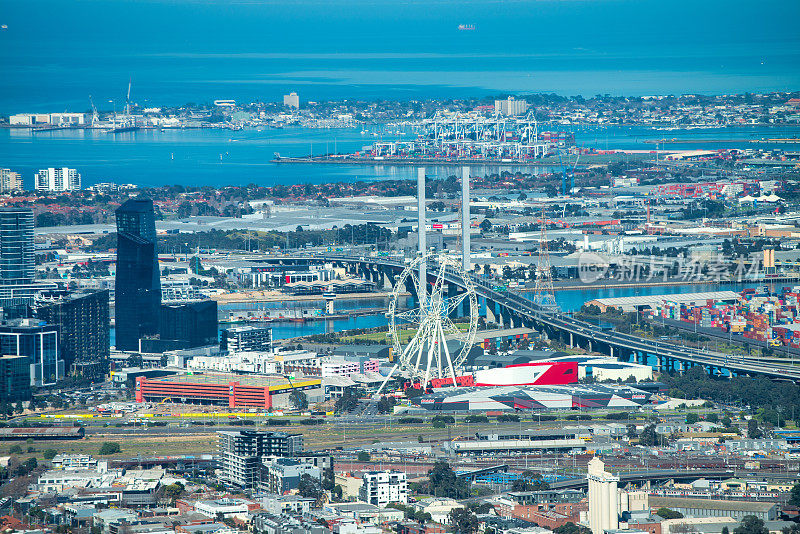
{"x": 138, "y": 283}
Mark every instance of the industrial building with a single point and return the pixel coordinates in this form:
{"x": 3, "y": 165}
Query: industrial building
{"x": 49, "y": 119}
{"x": 603, "y": 498}
{"x": 565, "y": 440}
{"x": 629, "y": 304}
{"x": 605, "y": 369}
{"x": 532, "y": 398}
{"x": 697, "y": 507}
{"x": 221, "y": 389}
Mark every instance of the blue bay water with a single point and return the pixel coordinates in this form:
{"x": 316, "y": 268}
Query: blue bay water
{"x": 54, "y": 54}
{"x": 225, "y": 157}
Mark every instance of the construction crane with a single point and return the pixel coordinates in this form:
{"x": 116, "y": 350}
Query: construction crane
{"x": 571, "y": 174}
{"x": 128, "y": 99}
{"x": 95, "y": 115}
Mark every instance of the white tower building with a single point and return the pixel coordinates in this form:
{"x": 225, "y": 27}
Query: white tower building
{"x": 382, "y": 487}
{"x": 57, "y": 179}
{"x": 603, "y": 498}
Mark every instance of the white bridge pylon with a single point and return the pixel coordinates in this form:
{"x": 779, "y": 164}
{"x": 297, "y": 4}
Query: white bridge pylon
{"x": 426, "y": 355}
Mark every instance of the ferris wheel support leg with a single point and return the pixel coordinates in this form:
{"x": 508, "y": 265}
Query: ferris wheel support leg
{"x": 447, "y": 355}
{"x": 386, "y": 380}
{"x": 428, "y": 368}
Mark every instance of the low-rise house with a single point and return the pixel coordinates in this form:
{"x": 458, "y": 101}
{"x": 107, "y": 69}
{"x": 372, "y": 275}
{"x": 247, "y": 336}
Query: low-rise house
{"x": 225, "y": 507}
{"x": 438, "y": 507}
{"x": 287, "y": 504}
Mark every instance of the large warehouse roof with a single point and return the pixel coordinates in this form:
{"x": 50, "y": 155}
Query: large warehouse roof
{"x": 642, "y": 301}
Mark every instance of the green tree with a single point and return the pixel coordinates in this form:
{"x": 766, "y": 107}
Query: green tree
{"x": 725, "y": 530}
{"x": 386, "y": 404}
{"x": 443, "y": 482}
{"x": 752, "y": 429}
{"x": 726, "y": 422}
{"x": 794, "y": 495}
{"x": 649, "y": 437}
{"x": 666, "y": 513}
{"x": 49, "y": 454}
{"x": 530, "y": 481}
{"x": 485, "y": 226}
{"x": 571, "y": 528}
{"x": 751, "y": 525}
{"x": 310, "y": 487}
{"x": 364, "y": 456}
{"x": 712, "y": 418}
{"x": 692, "y": 418}
{"x": 173, "y": 491}
{"x": 110, "y": 447}
{"x": 15, "y": 449}
{"x": 463, "y": 521}
{"x": 298, "y": 399}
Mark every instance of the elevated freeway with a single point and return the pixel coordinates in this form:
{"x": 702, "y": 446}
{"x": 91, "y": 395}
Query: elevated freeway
{"x": 511, "y": 308}
{"x": 649, "y": 476}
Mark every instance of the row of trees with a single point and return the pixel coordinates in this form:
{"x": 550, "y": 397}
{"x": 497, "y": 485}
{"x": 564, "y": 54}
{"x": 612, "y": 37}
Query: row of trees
{"x": 771, "y": 400}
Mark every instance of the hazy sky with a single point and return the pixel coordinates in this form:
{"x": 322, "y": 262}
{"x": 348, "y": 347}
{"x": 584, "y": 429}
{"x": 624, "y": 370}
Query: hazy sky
{"x": 57, "y": 52}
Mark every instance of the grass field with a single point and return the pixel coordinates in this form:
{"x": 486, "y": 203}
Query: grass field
{"x": 405, "y": 335}
{"x": 175, "y": 439}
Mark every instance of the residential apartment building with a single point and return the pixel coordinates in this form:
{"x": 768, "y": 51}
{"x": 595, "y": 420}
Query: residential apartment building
{"x": 57, "y": 179}
{"x": 246, "y": 339}
{"x": 83, "y": 320}
{"x": 382, "y": 487}
{"x": 10, "y": 181}
{"x": 241, "y": 453}
{"x": 281, "y": 475}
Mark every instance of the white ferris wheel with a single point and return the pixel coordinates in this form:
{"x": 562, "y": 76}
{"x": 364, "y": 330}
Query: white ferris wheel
{"x": 420, "y": 334}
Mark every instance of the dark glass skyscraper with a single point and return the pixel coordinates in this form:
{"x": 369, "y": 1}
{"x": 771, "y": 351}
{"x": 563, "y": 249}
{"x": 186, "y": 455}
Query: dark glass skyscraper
{"x": 83, "y": 320}
{"x": 17, "y": 258}
{"x": 138, "y": 282}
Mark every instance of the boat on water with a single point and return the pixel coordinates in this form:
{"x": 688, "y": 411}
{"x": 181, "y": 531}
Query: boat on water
{"x": 123, "y": 129}
{"x": 466, "y": 27}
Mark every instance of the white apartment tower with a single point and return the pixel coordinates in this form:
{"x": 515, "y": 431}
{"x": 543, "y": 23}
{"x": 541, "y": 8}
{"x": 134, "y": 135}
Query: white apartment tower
{"x": 58, "y": 179}
{"x": 510, "y": 107}
{"x": 382, "y": 487}
{"x": 291, "y": 100}
{"x": 603, "y": 498}
{"x": 10, "y": 181}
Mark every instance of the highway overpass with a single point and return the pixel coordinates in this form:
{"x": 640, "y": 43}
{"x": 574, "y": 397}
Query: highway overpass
{"x": 510, "y": 308}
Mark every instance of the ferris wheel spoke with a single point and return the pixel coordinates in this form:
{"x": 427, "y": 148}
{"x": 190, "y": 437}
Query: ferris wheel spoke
{"x": 411, "y": 316}
{"x": 453, "y": 302}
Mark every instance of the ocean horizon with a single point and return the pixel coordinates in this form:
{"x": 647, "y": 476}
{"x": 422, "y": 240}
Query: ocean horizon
{"x": 177, "y": 52}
